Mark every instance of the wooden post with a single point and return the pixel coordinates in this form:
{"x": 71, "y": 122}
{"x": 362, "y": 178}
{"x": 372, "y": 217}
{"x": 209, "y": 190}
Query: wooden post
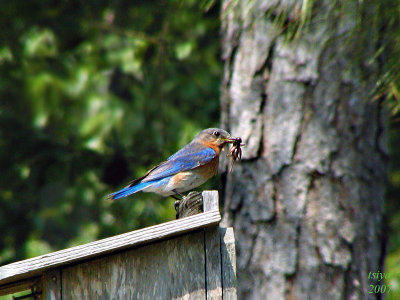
{"x": 213, "y": 253}
{"x": 228, "y": 253}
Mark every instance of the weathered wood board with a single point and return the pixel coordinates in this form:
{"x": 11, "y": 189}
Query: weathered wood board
{"x": 189, "y": 258}
{"x": 228, "y": 256}
{"x": 172, "y": 269}
{"x": 35, "y": 266}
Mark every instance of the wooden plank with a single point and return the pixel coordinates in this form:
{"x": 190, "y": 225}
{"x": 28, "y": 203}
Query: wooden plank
{"x": 210, "y": 200}
{"x": 35, "y": 266}
{"x": 52, "y": 284}
{"x": 213, "y": 263}
{"x": 171, "y": 269}
{"x": 213, "y": 250}
{"x": 228, "y": 253}
{"x": 88, "y": 280}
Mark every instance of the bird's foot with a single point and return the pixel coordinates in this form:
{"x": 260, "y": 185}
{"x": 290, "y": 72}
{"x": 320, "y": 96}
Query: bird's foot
{"x": 190, "y": 204}
{"x": 176, "y": 204}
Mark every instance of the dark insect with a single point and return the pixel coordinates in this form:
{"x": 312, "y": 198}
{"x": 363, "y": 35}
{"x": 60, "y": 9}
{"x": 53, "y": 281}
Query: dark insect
{"x": 236, "y": 151}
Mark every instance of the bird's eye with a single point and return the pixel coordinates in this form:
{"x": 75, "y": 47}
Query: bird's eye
{"x": 216, "y": 133}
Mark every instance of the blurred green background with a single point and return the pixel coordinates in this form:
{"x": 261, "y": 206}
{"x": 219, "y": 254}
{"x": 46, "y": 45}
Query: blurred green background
{"x": 93, "y": 93}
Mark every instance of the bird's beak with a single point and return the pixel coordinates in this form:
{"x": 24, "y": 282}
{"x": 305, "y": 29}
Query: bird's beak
{"x": 229, "y": 140}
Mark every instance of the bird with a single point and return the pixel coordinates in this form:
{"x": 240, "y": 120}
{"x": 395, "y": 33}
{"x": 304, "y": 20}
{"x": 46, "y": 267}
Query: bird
{"x": 183, "y": 171}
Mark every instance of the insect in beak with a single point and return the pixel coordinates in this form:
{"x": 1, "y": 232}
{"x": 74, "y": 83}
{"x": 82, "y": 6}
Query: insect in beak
{"x": 236, "y": 150}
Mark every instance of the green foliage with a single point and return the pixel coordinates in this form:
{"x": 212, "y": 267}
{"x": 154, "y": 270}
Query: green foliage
{"x": 393, "y": 212}
{"x": 389, "y": 54}
{"x": 389, "y": 86}
{"x": 393, "y": 267}
{"x": 93, "y": 94}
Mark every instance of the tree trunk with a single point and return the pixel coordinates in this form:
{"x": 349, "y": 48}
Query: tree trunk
{"x": 306, "y": 201}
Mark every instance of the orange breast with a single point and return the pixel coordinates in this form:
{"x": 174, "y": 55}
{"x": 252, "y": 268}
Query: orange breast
{"x": 216, "y": 148}
{"x": 210, "y": 169}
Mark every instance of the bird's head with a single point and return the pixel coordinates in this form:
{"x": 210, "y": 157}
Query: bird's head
{"x": 215, "y": 136}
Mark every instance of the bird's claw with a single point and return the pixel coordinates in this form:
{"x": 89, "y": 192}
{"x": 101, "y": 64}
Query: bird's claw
{"x": 176, "y": 204}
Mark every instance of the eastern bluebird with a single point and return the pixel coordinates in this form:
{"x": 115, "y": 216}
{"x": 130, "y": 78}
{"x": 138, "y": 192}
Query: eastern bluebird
{"x": 188, "y": 168}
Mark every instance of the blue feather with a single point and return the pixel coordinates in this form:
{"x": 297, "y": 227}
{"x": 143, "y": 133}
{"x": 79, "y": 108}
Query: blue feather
{"x": 190, "y": 157}
{"x": 129, "y": 190}
{"x": 180, "y": 163}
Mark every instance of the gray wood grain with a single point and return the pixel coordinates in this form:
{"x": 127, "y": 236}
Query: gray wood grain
{"x": 172, "y": 269}
{"x": 89, "y": 280}
{"x": 35, "y": 266}
{"x": 228, "y": 254}
{"x": 210, "y": 200}
{"x": 213, "y": 263}
{"x": 213, "y": 250}
{"x": 51, "y": 281}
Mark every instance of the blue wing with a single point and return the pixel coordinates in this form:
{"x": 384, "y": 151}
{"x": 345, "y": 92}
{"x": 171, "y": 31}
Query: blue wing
{"x": 184, "y": 160}
{"x": 189, "y": 149}
{"x": 190, "y": 157}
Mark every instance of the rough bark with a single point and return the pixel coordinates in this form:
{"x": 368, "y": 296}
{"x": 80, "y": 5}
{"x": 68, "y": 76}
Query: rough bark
{"x": 306, "y": 201}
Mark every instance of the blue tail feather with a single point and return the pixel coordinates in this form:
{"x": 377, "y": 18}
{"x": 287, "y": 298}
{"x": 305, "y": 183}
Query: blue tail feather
{"x": 129, "y": 190}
